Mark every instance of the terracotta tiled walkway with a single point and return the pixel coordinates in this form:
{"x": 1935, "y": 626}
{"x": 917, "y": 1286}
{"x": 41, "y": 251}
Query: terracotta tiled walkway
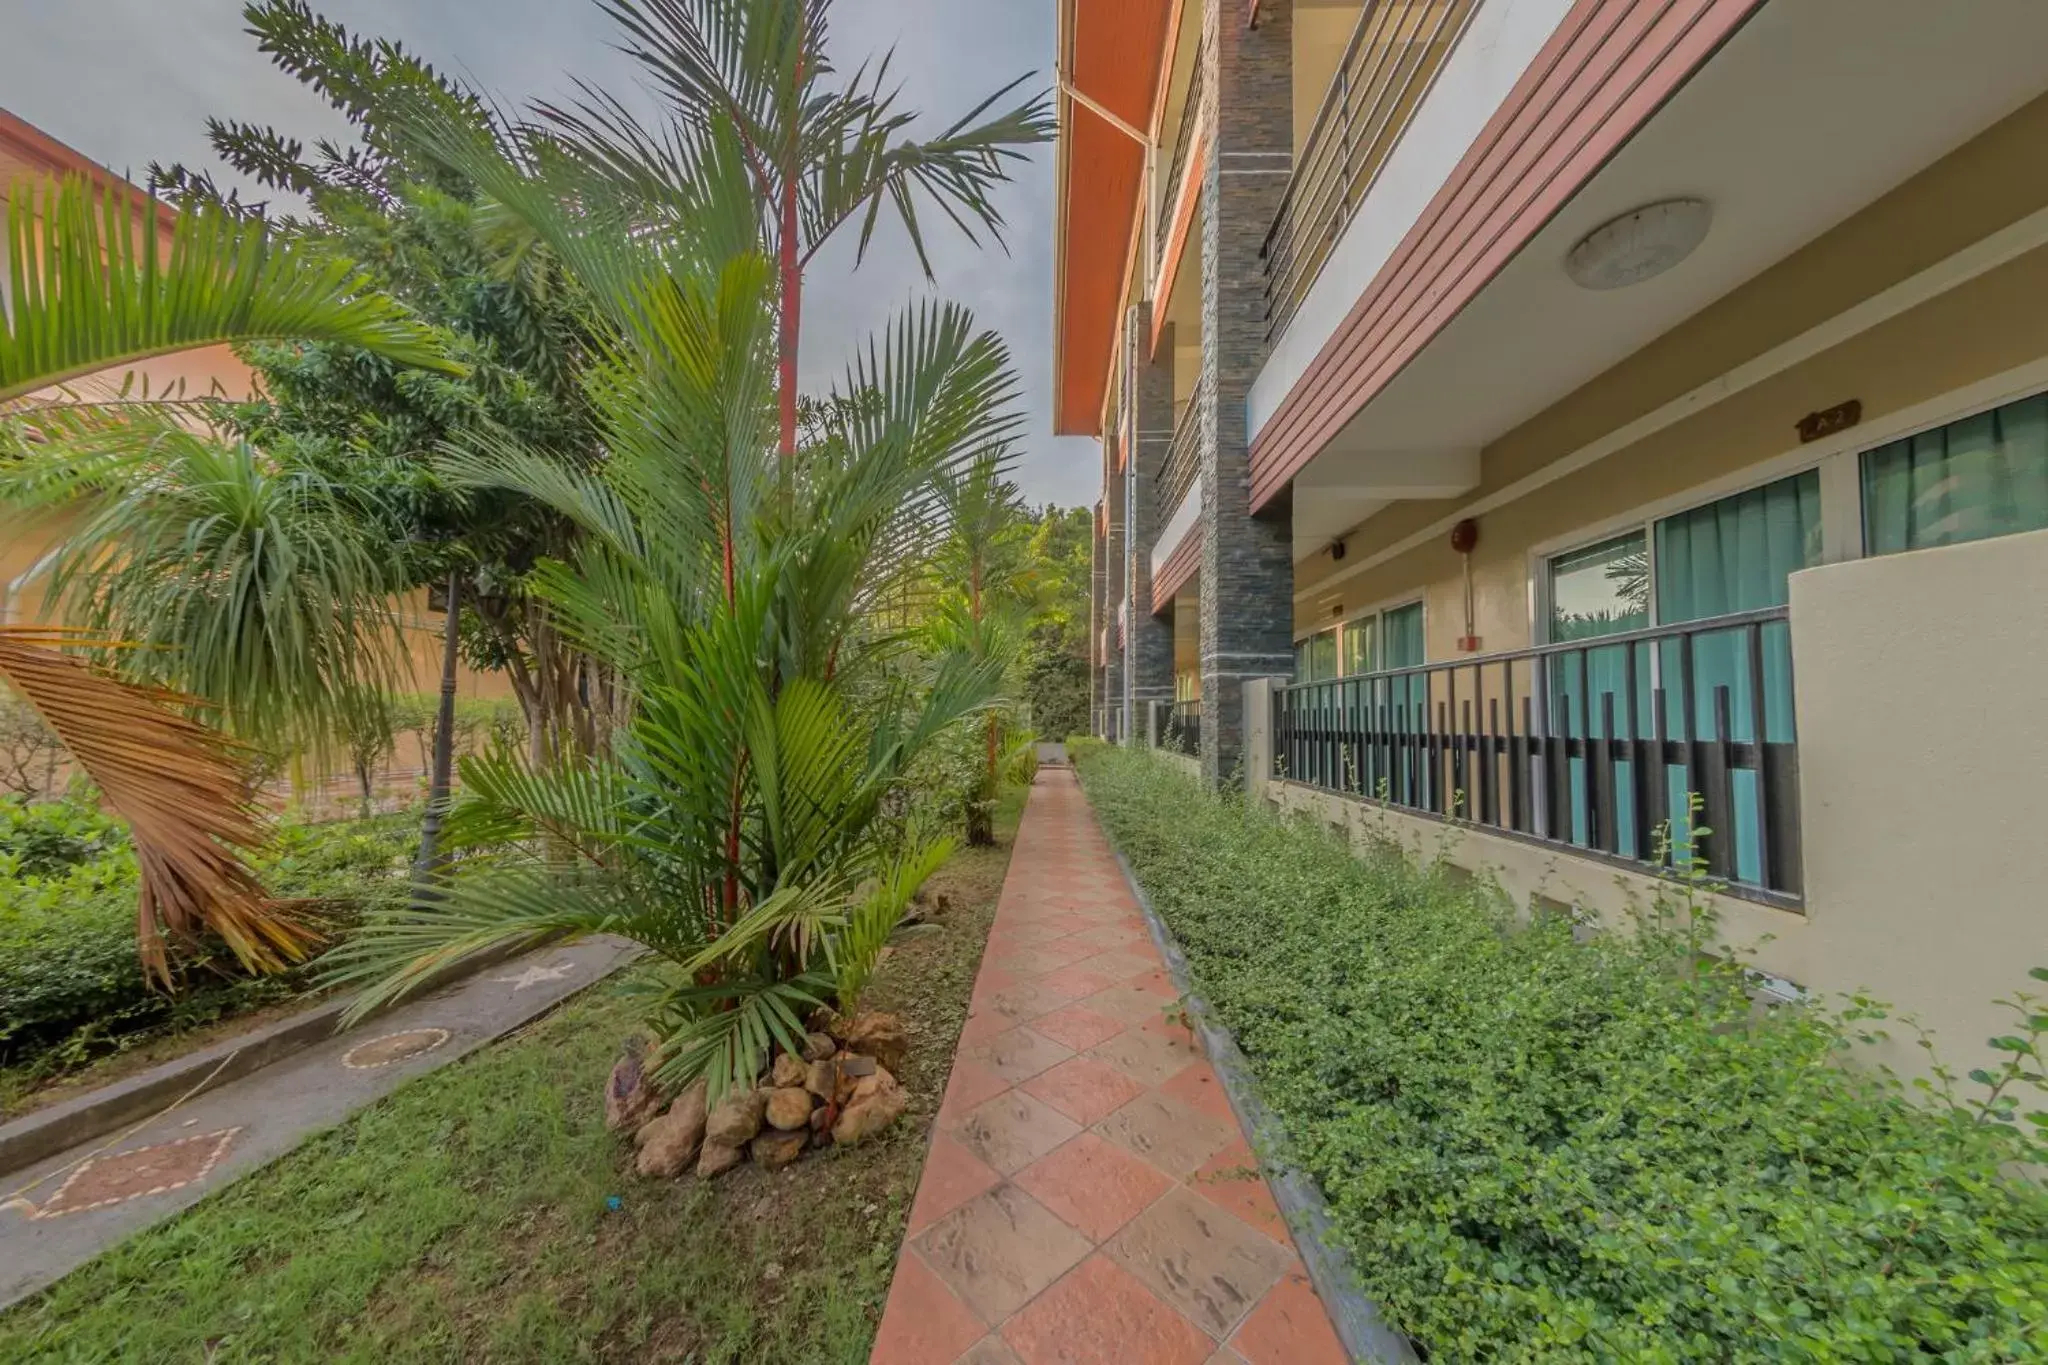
{"x": 1088, "y": 1196}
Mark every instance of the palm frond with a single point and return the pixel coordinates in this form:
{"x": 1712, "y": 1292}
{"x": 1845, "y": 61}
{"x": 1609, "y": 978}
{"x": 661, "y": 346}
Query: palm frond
{"x": 91, "y": 288}
{"x": 725, "y": 1032}
{"x": 181, "y": 790}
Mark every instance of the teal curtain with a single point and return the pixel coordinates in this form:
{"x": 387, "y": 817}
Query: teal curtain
{"x": 1983, "y": 476}
{"x": 1734, "y": 555}
{"x": 1356, "y": 651}
{"x": 1603, "y": 589}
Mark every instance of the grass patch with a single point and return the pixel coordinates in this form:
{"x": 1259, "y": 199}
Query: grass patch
{"x": 464, "y": 1217}
{"x": 1541, "y": 1149}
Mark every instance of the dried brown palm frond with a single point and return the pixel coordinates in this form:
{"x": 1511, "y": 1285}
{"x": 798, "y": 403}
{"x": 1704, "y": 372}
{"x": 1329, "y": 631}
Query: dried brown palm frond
{"x": 183, "y": 791}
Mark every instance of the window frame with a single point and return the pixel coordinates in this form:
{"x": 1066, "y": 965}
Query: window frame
{"x": 1377, "y": 614}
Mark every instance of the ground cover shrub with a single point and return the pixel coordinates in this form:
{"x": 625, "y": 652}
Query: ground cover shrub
{"x": 1541, "y": 1148}
{"x": 71, "y": 983}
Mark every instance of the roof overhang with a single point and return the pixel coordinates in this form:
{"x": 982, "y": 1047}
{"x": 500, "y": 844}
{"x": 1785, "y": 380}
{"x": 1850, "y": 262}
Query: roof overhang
{"x": 1109, "y": 51}
{"x": 1786, "y": 119}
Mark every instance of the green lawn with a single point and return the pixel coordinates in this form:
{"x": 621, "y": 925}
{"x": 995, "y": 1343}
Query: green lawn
{"x": 464, "y": 1218}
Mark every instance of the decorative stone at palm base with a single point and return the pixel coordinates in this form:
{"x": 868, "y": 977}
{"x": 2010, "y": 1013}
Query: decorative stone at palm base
{"x": 806, "y": 1101}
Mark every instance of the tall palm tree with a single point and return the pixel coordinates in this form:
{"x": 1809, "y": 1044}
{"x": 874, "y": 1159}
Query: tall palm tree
{"x": 91, "y": 288}
{"x": 737, "y": 828}
{"x": 983, "y": 568}
{"x": 815, "y": 155}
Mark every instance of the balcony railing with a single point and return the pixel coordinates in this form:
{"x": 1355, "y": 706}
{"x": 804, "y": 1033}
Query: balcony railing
{"x": 1657, "y": 747}
{"x": 1183, "y": 456}
{"x": 1183, "y": 143}
{"x": 1183, "y": 730}
{"x": 1394, "y": 54}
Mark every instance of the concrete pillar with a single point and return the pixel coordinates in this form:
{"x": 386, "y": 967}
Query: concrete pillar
{"x": 1114, "y": 591}
{"x": 1259, "y": 740}
{"x": 1247, "y": 612}
{"x": 1098, "y": 617}
{"x": 1148, "y": 650}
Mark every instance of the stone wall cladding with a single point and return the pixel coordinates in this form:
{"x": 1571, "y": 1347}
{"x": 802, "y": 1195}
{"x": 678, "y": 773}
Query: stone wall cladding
{"x": 1098, "y": 617}
{"x": 1247, "y": 574}
{"x": 1148, "y": 654}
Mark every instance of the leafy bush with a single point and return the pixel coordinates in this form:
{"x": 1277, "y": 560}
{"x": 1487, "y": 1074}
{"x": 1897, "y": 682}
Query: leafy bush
{"x": 71, "y": 985}
{"x": 1541, "y": 1148}
{"x": 44, "y": 839}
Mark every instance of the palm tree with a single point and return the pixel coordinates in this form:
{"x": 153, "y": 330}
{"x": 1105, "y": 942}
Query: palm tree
{"x": 753, "y": 73}
{"x": 983, "y": 567}
{"x": 737, "y": 827}
{"x": 92, "y": 288}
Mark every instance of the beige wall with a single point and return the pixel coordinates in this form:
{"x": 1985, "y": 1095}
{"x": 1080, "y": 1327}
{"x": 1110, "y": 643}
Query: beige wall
{"x": 1922, "y": 734}
{"x": 1918, "y": 677}
{"x": 1992, "y": 324}
{"x": 1321, "y": 31}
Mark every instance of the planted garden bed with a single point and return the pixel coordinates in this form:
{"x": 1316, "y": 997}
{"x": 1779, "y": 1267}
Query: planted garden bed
{"x": 470, "y": 1215}
{"x": 75, "y": 1010}
{"x": 1537, "y": 1147}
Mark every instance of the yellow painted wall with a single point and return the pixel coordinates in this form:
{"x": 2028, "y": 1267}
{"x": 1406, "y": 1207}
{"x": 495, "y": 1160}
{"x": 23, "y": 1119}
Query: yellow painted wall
{"x": 1992, "y": 324}
{"x": 1321, "y": 31}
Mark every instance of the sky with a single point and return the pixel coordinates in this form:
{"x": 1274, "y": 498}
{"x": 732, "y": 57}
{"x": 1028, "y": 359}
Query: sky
{"x": 137, "y": 83}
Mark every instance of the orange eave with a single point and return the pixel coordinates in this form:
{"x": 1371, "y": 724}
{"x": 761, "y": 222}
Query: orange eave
{"x": 27, "y": 150}
{"x": 1110, "y": 51}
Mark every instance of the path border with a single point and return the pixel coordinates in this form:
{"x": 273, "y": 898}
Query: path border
{"x": 1357, "y": 1319}
{"x": 43, "y": 1133}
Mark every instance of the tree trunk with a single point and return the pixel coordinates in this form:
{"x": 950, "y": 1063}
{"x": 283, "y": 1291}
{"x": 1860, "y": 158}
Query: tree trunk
{"x": 429, "y": 861}
{"x": 792, "y": 312}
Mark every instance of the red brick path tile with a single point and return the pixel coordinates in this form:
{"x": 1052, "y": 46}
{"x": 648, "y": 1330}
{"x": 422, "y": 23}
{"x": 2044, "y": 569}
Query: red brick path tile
{"x": 1088, "y": 1196}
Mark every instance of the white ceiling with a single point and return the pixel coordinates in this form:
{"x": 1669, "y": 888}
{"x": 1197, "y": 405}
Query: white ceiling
{"x": 1813, "y": 110}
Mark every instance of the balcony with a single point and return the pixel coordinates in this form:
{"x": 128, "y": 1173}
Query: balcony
{"x": 1387, "y": 68}
{"x": 1650, "y": 748}
{"x": 1183, "y": 456}
{"x": 1183, "y": 147}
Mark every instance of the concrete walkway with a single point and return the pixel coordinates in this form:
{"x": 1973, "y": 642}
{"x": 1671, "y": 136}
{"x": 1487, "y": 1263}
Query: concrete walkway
{"x": 60, "y": 1213}
{"x": 1088, "y": 1196}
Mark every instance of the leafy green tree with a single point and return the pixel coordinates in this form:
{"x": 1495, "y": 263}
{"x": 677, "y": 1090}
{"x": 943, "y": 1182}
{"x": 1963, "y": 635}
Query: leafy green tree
{"x": 1055, "y": 668}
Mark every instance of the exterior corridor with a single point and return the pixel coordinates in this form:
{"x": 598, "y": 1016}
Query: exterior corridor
{"x": 1089, "y": 1196}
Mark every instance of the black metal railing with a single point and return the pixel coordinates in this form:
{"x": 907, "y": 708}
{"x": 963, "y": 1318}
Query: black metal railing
{"x": 1666, "y": 746}
{"x": 1183, "y": 144}
{"x": 1183, "y": 456}
{"x": 1394, "y": 54}
{"x": 1183, "y": 730}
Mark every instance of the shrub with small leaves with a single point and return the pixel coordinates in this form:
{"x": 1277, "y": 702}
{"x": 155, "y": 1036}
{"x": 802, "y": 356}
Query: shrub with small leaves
{"x": 1540, "y": 1148}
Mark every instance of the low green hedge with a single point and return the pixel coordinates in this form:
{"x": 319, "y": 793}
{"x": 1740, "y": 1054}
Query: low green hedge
{"x": 71, "y": 985}
{"x": 1536, "y": 1148}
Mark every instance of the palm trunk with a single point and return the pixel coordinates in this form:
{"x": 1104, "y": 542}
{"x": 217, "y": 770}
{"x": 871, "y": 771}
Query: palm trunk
{"x": 429, "y": 861}
{"x": 792, "y": 313}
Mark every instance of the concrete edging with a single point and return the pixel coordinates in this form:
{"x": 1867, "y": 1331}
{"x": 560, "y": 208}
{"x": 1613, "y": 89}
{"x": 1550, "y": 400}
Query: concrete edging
{"x": 44, "y": 1133}
{"x": 1361, "y": 1328}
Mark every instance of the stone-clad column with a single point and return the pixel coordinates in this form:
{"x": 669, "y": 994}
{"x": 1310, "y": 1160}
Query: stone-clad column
{"x": 1247, "y": 609}
{"x": 1098, "y": 580}
{"x": 1148, "y": 651}
{"x": 1113, "y": 589}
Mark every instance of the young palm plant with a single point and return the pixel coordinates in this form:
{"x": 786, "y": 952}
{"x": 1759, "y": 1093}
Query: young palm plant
{"x": 738, "y": 827}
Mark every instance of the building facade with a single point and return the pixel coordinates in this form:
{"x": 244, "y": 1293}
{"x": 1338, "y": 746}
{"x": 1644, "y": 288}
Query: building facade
{"x": 1610, "y": 434}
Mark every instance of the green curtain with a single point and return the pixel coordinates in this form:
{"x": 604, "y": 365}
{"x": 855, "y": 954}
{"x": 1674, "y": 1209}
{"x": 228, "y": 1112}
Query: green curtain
{"x": 1980, "y": 477}
{"x": 1734, "y": 555}
{"x": 1603, "y": 589}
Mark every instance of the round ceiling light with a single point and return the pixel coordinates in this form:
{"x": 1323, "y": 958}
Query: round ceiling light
{"x": 1641, "y": 244}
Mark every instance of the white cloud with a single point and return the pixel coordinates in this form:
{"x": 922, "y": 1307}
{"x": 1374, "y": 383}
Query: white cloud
{"x": 137, "y": 83}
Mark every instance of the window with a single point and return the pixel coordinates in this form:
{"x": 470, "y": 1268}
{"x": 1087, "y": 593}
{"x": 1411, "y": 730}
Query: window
{"x": 1982, "y": 476}
{"x": 1735, "y": 554}
{"x": 1366, "y": 644}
